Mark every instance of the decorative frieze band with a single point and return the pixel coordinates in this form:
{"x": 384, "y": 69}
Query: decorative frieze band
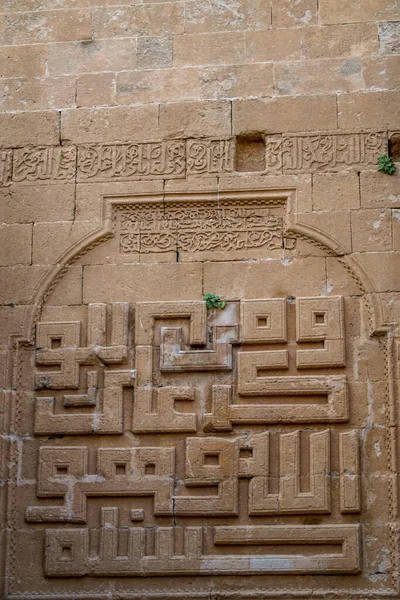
{"x": 310, "y": 153}
{"x": 170, "y": 159}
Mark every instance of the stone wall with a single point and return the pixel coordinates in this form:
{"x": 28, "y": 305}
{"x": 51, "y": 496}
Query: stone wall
{"x": 152, "y": 152}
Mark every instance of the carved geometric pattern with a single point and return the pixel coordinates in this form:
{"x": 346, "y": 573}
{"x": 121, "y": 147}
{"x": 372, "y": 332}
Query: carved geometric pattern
{"x": 223, "y": 396}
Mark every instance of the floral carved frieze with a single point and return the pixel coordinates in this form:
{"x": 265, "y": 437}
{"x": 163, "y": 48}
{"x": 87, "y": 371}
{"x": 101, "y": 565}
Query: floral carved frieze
{"x": 204, "y": 226}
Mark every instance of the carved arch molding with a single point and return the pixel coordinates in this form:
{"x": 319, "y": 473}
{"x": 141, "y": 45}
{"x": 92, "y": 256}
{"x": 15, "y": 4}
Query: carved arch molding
{"x": 159, "y": 449}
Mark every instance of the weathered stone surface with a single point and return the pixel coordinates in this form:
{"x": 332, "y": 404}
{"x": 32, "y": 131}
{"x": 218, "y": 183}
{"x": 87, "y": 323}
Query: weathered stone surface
{"x": 199, "y": 299}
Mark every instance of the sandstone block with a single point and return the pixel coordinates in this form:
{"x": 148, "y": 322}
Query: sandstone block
{"x": 379, "y": 190}
{"x": 69, "y": 290}
{"x": 389, "y": 37}
{"x": 142, "y": 282}
{"x": 195, "y": 119}
{"x": 337, "y": 282}
{"x": 236, "y": 81}
{"x": 51, "y": 240}
{"x": 357, "y": 11}
{"x": 396, "y": 228}
{"x": 15, "y": 244}
{"x": 154, "y": 52}
{"x": 109, "y": 124}
{"x": 206, "y": 16}
{"x": 273, "y": 44}
{"x": 161, "y": 85}
{"x": 94, "y": 89}
{"x": 277, "y": 115}
{"x": 45, "y": 26}
{"x": 264, "y": 279}
{"x": 19, "y": 61}
{"x": 331, "y": 41}
{"x": 383, "y": 268}
{"x": 335, "y": 191}
{"x": 144, "y": 19}
{"x": 23, "y": 128}
{"x": 92, "y": 55}
{"x": 382, "y": 73}
{"x": 371, "y": 230}
{"x": 318, "y": 76}
{"x": 208, "y": 49}
{"x": 288, "y": 14}
{"x": 23, "y": 204}
{"x": 369, "y": 110}
{"x": 19, "y": 282}
{"x": 334, "y": 224}
{"x": 34, "y": 94}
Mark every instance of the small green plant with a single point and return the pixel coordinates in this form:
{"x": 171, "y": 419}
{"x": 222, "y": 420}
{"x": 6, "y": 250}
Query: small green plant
{"x": 386, "y": 164}
{"x": 214, "y": 301}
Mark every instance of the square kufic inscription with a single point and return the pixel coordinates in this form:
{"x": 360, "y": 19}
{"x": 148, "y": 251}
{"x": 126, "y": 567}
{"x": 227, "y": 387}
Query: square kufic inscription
{"x": 183, "y": 452}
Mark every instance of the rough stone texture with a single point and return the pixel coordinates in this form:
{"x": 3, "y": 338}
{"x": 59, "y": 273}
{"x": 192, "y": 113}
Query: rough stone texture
{"x": 151, "y": 152}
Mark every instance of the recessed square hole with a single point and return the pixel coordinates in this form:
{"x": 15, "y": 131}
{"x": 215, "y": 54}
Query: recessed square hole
{"x": 66, "y": 552}
{"x": 319, "y": 318}
{"x": 250, "y": 153}
{"x": 211, "y": 459}
{"x": 120, "y": 469}
{"x": 61, "y": 470}
{"x": 246, "y": 453}
{"x": 56, "y": 343}
{"x": 263, "y": 321}
{"x": 150, "y": 469}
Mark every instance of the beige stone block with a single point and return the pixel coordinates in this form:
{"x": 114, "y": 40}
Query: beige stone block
{"x": 19, "y": 282}
{"x": 208, "y": 49}
{"x": 145, "y": 19}
{"x": 273, "y": 44}
{"x": 92, "y": 56}
{"x": 335, "y": 191}
{"x": 90, "y": 202}
{"x": 205, "y": 15}
{"x": 319, "y": 76}
{"x": 300, "y": 184}
{"x": 396, "y": 228}
{"x": 22, "y": 61}
{"x": 25, "y": 204}
{"x": 278, "y": 115}
{"x": 15, "y": 244}
{"x": 51, "y": 240}
{"x": 162, "y": 85}
{"x": 34, "y": 94}
{"x": 370, "y": 110}
{"x": 286, "y": 13}
{"x": 357, "y": 11}
{"x": 11, "y": 322}
{"x": 236, "y": 81}
{"x": 69, "y": 289}
{"x": 195, "y": 119}
{"x": 154, "y": 52}
{"x": 338, "y": 281}
{"x": 45, "y": 26}
{"x": 389, "y": 37}
{"x": 334, "y": 224}
{"x": 94, "y": 89}
{"x": 382, "y": 73}
{"x": 371, "y": 230}
{"x": 23, "y": 128}
{"x": 383, "y": 268}
{"x": 118, "y": 124}
{"x": 351, "y": 40}
{"x": 142, "y": 282}
{"x": 380, "y": 190}
{"x": 273, "y": 278}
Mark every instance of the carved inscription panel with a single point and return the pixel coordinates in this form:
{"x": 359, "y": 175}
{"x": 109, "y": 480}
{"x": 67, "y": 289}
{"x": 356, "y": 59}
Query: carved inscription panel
{"x": 225, "y": 434}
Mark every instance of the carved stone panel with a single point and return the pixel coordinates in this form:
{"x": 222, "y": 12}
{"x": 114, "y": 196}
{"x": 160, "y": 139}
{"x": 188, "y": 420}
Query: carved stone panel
{"x": 170, "y": 447}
